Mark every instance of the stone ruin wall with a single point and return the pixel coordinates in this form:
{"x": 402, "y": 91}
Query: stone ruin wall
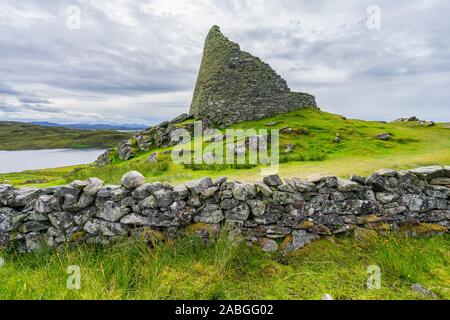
{"x": 273, "y": 214}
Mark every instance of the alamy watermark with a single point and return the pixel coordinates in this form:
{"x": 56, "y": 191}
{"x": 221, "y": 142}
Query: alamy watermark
{"x": 73, "y": 20}
{"x": 233, "y": 147}
{"x": 374, "y": 279}
{"x": 374, "y": 17}
{"x": 74, "y": 279}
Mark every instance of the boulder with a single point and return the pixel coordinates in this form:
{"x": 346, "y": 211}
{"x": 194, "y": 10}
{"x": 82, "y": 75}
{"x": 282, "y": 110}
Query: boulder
{"x": 268, "y": 245}
{"x": 242, "y": 191}
{"x": 383, "y": 136}
{"x": 164, "y": 197}
{"x": 273, "y": 180}
{"x": 46, "y": 204}
{"x": 429, "y": 173}
{"x": 132, "y": 180}
{"x": 33, "y": 226}
{"x": 197, "y": 186}
{"x": 423, "y": 291}
{"x": 347, "y": 185}
{"x": 257, "y": 207}
{"x": 105, "y": 228}
{"x": 300, "y": 238}
{"x": 112, "y": 211}
{"x": 134, "y": 219}
{"x": 240, "y": 212}
{"x": 93, "y": 186}
{"x": 210, "y": 214}
{"x": 24, "y": 195}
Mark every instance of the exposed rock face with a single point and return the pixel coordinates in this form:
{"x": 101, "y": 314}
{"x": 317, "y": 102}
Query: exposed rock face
{"x": 234, "y": 86}
{"x": 424, "y": 123}
{"x": 274, "y": 214}
{"x": 153, "y": 137}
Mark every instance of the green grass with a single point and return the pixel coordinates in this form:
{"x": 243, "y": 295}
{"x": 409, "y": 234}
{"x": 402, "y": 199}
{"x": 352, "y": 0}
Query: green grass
{"x": 25, "y": 136}
{"x": 358, "y": 152}
{"x": 187, "y": 269}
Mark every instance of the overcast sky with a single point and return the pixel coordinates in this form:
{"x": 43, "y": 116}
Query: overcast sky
{"x": 136, "y": 61}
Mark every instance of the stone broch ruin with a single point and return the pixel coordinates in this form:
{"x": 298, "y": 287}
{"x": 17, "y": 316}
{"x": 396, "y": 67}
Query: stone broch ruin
{"x": 232, "y": 86}
{"x": 273, "y": 214}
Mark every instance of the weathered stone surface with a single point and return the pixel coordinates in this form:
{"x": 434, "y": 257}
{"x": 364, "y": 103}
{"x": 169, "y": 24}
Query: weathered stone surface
{"x": 47, "y": 204}
{"x": 257, "y": 207}
{"x": 6, "y": 194}
{"x": 383, "y": 136}
{"x": 33, "y": 226}
{"x": 134, "y": 219}
{"x": 268, "y": 245}
{"x": 61, "y": 220}
{"x": 180, "y": 192}
{"x": 263, "y": 188}
{"x": 429, "y": 172}
{"x": 80, "y": 185}
{"x": 301, "y": 185}
{"x": 209, "y": 214}
{"x": 105, "y": 228}
{"x": 364, "y": 235}
{"x": 197, "y": 186}
{"x": 93, "y": 186}
{"x": 85, "y": 201}
{"x": 112, "y": 211}
{"x": 239, "y": 212}
{"x": 132, "y": 180}
{"x": 323, "y": 180}
{"x": 420, "y": 289}
{"x": 242, "y": 191}
{"x": 300, "y": 238}
{"x": 23, "y": 196}
{"x": 347, "y": 185}
{"x": 164, "y": 197}
{"x": 273, "y": 180}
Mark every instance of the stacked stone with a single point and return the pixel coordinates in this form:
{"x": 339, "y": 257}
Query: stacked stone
{"x": 234, "y": 86}
{"x": 270, "y": 213}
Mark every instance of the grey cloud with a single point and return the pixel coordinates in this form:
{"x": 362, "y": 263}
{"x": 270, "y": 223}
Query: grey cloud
{"x": 131, "y": 57}
{"x": 33, "y": 100}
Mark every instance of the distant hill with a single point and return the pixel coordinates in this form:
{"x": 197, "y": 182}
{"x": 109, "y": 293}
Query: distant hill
{"x": 98, "y": 126}
{"x": 27, "y": 136}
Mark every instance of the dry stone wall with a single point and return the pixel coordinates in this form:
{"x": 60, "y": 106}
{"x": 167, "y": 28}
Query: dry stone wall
{"x": 275, "y": 214}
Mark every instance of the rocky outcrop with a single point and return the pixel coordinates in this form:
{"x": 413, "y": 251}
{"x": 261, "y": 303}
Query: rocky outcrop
{"x": 424, "y": 123}
{"x": 153, "y": 137}
{"x": 274, "y": 214}
{"x": 234, "y": 86}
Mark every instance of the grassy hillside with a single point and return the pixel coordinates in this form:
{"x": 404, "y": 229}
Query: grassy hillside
{"x": 315, "y": 150}
{"x": 24, "y": 136}
{"x": 187, "y": 269}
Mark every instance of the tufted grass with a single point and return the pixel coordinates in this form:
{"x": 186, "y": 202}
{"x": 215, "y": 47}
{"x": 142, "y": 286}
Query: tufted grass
{"x": 187, "y": 269}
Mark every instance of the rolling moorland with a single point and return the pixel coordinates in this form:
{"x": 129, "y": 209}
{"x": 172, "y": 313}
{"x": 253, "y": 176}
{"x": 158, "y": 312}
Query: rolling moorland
{"x": 25, "y": 136}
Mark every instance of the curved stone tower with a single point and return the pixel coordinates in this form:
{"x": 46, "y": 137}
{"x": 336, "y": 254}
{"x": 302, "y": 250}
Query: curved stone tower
{"x": 234, "y": 86}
